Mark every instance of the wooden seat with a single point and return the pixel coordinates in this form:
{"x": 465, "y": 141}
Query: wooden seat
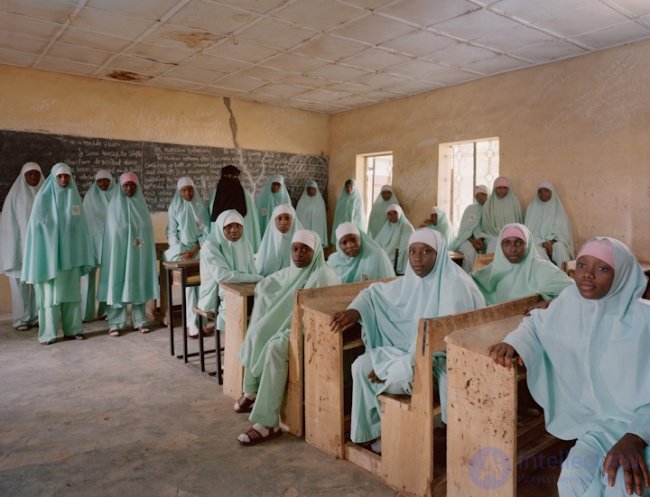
{"x": 481, "y": 261}
{"x": 218, "y": 349}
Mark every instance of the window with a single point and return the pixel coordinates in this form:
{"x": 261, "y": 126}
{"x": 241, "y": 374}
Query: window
{"x": 378, "y": 172}
{"x": 462, "y": 166}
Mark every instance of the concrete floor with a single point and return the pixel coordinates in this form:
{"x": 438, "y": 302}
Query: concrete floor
{"x": 121, "y": 417}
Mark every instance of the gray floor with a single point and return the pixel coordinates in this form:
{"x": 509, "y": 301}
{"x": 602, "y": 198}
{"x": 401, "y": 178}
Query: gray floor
{"x": 121, "y": 417}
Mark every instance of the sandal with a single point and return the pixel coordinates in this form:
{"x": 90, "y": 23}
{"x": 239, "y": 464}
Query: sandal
{"x": 244, "y": 405}
{"x": 255, "y": 437}
{"x": 114, "y": 332}
{"x": 80, "y": 336}
{"x": 207, "y": 332}
{"x": 144, "y": 330}
{"x": 22, "y": 327}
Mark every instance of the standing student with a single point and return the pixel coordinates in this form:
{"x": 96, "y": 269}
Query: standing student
{"x": 129, "y": 274}
{"x": 349, "y": 208}
{"x": 273, "y": 194}
{"x": 275, "y": 250}
{"x": 389, "y": 314}
{"x": 438, "y": 222}
{"x": 394, "y": 236}
{"x": 230, "y": 194}
{"x": 358, "y": 257}
{"x": 57, "y": 253}
{"x": 550, "y": 226}
{"x": 265, "y": 351}
{"x": 13, "y": 225}
{"x": 311, "y": 211}
{"x": 96, "y": 203}
{"x": 502, "y": 207}
{"x": 188, "y": 226}
{"x": 587, "y": 366}
{"x": 517, "y": 271}
{"x": 469, "y": 240}
{"x": 385, "y": 198}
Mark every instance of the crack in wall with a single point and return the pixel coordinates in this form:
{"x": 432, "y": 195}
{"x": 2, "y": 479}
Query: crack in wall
{"x": 233, "y": 121}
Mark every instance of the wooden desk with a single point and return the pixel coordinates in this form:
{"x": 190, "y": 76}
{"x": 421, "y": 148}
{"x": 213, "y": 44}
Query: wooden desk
{"x": 186, "y": 274}
{"x": 457, "y": 257}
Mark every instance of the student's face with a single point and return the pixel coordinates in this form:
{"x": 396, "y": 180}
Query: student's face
{"x": 103, "y": 183}
{"x": 301, "y": 254}
{"x": 349, "y": 187}
{"x": 386, "y": 195}
{"x": 514, "y": 249}
{"x": 283, "y": 222}
{"x": 187, "y": 193}
{"x": 434, "y": 218}
{"x": 544, "y": 194}
{"x": 422, "y": 258}
{"x": 350, "y": 245}
{"x": 32, "y": 177}
{"x": 129, "y": 188}
{"x": 275, "y": 187}
{"x": 63, "y": 180}
{"x": 233, "y": 231}
{"x": 393, "y": 216}
{"x": 593, "y": 277}
{"x": 230, "y": 176}
{"x": 481, "y": 197}
{"x": 501, "y": 191}
{"x": 311, "y": 191}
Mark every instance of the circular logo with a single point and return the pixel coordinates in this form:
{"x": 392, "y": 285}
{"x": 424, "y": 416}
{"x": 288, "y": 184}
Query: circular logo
{"x": 75, "y": 210}
{"x": 138, "y": 243}
{"x": 490, "y": 468}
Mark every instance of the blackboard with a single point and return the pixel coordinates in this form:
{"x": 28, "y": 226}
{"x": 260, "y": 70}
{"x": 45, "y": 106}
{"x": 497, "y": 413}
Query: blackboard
{"x": 158, "y": 165}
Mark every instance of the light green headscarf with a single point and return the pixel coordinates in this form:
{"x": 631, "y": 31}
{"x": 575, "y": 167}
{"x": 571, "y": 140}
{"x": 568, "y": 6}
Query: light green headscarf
{"x": 188, "y": 223}
{"x": 274, "y": 300}
{"x": 548, "y": 220}
{"x": 371, "y": 263}
{"x": 223, "y": 261}
{"x": 267, "y": 200}
{"x": 349, "y": 208}
{"x": 275, "y": 251}
{"x": 497, "y": 212}
{"x": 129, "y": 273}
{"x": 443, "y": 227}
{"x": 57, "y": 233}
{"x": 587, "y": 360}
{"x": 251, "y": 221}
{"x": 395, "y": 236}
{"x": 96, "y": 206}
{"x": 14, "y": 219}
{"x": 501, "y": 280}
{"x": 470, "y": 223}
{"x": 312, "y": 213}
{"x": 378, "y": 212}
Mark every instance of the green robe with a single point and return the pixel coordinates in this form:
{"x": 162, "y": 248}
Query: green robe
{"x": 378, "y": 213}
{"x": 267, "y": 201}
{"x": 349, "y": 208}
{"x": 275, "y": 250}
{"x": 443, "y": 227}
{"x": 394, "y": 237}
{"x": 371, "y": 263}
{"x": 497, "y": 212}
{"x": 251, "y": 221}
{"x": 312, "y": 213}
{"x": 188, "y": 224}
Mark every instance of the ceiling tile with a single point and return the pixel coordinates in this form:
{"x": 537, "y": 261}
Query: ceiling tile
{"x": 263, "y": 73}
{"x": 337, "y": 73}
{"x": 419, "y": 43}
{"x": 427, "y": 12}
{"x": 451, "y": 76}
{"x": 193, "y": 74}
{"x": 137, "y": 65}
{"x": 613, "y": 35}
{"x": 373, "y": 29}
{"x": 368, "y": 4}
{"x": 259, "y": 6}
{"x": 78, "y": 54}
{"x": 47, "y": 10}
{"x": 498, "y": 63}
{"x": 218, "y": 64}
{"x": 175, "y": 84}
{"x": 173, "y": 35}
{"x": 275, "y": 34}
{"x": 322, "y": 95}
{"x": 637, "y": 8}
{"x": 375, "y": 59}
{"x": 349, "y": 87}
{"x": 156, "y": 53}
{"x": 15, "y": 58}
{"x": 27, "y": 26}
{"x": 548, "y": 50}
{"x": 109, "y": 23}
{"x": 317, "y": 14}
{"x": 330, "y": 48}
{"x": 306, "y": 81}
{"x": 378, "y": 80}
{"x": 67, "y": 66}
{"x": 413, "y": 87}
{"x": 234, "y": 48}
{"x": 426, "y": 71}
{"x": 294, "y": 63}
{"x": 240, "y": 83}
{"x": 20, "y": 43}
{"x": 513, "y": 37}
{"x": 475, "y": 25}
{"x": 460, "y": 54}
{"x": 144, "y": 9}
{"x": 212, "y": 17}
{"x": 90, "y": 39}
{"x": 279, "y": 90}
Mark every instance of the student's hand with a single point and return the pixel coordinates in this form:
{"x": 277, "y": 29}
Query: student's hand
{"x": 548, "y": 245}
{"x": 344, "y": 320}
{"x": 503, "y": 354}
{"x": 186, "y": 256}
{"x": 628, "y": 453}
{"x": 425, "y": 223}
{"x": 539, "y": 305}
{"x": 372, "y": 376}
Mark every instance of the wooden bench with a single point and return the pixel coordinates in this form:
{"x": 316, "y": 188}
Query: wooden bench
{"x": 493, "y": 434}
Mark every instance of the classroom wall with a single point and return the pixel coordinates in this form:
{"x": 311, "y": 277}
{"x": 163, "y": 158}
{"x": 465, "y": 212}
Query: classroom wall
{"x": 47, "y": 102}
{"x": 581, "y": 123}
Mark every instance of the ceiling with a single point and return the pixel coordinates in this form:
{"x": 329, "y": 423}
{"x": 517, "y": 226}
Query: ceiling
{"x": 321, "y": 55}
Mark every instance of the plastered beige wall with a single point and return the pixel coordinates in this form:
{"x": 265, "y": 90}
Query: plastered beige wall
{"x": 47, "y": 102}
{"x": 581, "y": 123}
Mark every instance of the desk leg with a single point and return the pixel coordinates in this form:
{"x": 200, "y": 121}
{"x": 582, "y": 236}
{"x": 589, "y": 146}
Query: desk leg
{"x": 236, "y": 323}
{"x": 170, "y": 319}
{"x": 184, "y": 316}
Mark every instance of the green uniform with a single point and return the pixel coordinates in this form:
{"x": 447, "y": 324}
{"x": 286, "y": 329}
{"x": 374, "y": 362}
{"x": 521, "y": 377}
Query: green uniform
{"x": 371, "y": 263}
{"x": 394, "y": 238}
{"x": 349, "y": 208}
{"x": 268, "y": 200}
{"x": 312, "y": 213}
{"x": 275, "y": 250}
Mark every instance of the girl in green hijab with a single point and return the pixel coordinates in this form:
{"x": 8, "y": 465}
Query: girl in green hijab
{"x": 469, "y": 241}
{"x": 275, "y": 250}
{"x": 438, "y": 222}
{"x": 273, "y": 194}
{"x": 502, "y": 207}
{"x": 394, "y": 237}
{"x": 311, "y": 211}
{"x": 349, "y": 208}
{"x": 57, "y": 254}
{"x": 385, "y": 198}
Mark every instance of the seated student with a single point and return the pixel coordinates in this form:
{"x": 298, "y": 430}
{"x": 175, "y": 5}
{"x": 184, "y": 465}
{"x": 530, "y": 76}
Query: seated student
{"x": 502, "y": 207}
{"x": 230, "y": 194}
{"x": 275, "y": 250}
{"x": 550, "y": 226}
{"x": 129, "y": 274}
{"x": 349, "y": 208}
{"x": 358, "y": 257}
{"x": 273, "y": 194}
{"x": 188, "y": 226}
{"x": 311, "y": 211}
{"x": 57, "y": 254}
{"x": 587, "y": 365}
{"x": 226, "y": 257}
{"x": 96, "y": 203}
{"x": 438, "y": 221}
{"x": 394, "y": 236}
{"x": 13, "y": 225}
{"x": 517, "y": 271}
{"x": 469, "y": 241}
{"x": 389, "y": 314}
{"x": 265, "y": 351}
{"x": 385, "y": 198}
